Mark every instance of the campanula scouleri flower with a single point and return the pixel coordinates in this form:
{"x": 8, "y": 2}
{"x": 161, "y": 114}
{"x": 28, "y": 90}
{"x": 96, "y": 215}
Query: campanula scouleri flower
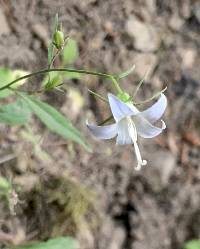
{"x": 131, "y": 123}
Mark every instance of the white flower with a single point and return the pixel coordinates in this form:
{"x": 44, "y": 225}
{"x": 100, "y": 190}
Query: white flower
{"x": 130, "y": 122}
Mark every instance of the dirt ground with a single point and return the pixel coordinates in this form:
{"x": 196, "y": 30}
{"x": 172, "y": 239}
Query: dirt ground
{"x": 114, "y": 206}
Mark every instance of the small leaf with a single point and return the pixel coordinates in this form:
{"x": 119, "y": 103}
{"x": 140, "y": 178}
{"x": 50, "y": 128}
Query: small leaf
{"x": 57, "y": 243}
{"x": 70, "y": 52}
{"x": 4, "y": 184}
{"x": 57, "y": 78}
{"x": 6, "y": 76}
{"x": 126, "y": 73}
{"x": 50, "y": 76}
{"x": 53, "y": 82}
{"x": 193, "y": 244}
{"x": 16, "y": 113}
{"x": 54, "y": 120}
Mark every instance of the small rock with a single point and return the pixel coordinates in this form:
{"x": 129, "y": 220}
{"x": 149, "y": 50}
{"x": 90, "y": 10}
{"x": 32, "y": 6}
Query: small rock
{"x": 41, "y": 32}
{"x": 185, "y": 9}
{"x": 175, "y": 22}
{"x": 4, "y": 27}
{"x": 118, "y": 238}
{"x": 27, "y": 181}
{"x": 151, "y": 6}
{"x": 146, "y": 38}
{"x": 113, "y": 235}
{"x": 188, "y": 56}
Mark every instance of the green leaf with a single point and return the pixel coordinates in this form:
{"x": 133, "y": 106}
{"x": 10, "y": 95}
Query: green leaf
{"x": 126, "y": 73}
{"x": 6, "y": 76}
{"x": 193, "y": 244}
{"x": 57, "y": 78}
{"x": 16, "y": 113}
{"x": 54, "y": 120}
{"x": 52, "y": 82}
{"x": 51, "y": 76}
{"x": 70, "y": 52}
{"x": 57, "y": 243}
{"x": 51, "y": 46}
{"x": 4, "y": 184}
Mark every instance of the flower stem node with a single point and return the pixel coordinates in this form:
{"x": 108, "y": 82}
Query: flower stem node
{"x": 130, "y": 122}
{"x": 54, "y": 82}
{"x": 58, "y": 39}
{"x": 124, "y": 97}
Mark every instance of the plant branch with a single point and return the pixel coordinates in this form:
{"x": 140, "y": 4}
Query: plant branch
{"x": 44, "y": 71}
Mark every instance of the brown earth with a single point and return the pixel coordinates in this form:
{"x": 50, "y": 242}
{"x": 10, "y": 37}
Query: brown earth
{"x": 157, "y": 207}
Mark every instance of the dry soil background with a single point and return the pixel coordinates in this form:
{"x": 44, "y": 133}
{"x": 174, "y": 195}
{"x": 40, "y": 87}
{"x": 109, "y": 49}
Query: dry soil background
{"x": 155, "y": 208}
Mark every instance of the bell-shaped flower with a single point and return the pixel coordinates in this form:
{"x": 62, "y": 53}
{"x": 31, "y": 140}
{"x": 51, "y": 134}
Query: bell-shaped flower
{"x": 130, "y": 122}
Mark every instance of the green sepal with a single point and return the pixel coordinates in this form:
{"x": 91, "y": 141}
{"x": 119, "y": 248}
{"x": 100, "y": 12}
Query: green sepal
{"x": 124, "y": 96}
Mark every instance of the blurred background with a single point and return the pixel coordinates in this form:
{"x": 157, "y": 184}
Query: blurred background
{"x": 56, "y": 188}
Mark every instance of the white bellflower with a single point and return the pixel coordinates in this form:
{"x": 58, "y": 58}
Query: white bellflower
{"x": 130, "y": 122}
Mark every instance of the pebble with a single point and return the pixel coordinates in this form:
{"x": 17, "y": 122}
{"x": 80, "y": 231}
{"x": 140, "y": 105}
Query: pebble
{"x": 4, "y": 27}
{"x": 188, "y": 56}
{"x": 146, "y": 38}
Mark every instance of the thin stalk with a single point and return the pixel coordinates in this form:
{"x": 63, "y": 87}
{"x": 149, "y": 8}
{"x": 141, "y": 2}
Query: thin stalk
{"x": 153, "y": 97}
{"x": 60, "y": 70}
{"x": 139, "y": 84}
{"x": 115, "y": 84}
{"x": 98, "y": 96}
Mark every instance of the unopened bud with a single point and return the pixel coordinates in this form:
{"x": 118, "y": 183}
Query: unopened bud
{"x": 58, "y": 39}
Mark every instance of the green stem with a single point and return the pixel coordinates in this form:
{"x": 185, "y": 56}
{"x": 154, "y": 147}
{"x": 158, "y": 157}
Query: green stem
{"x": 62, "y": 70}
{"x": 115, "y": 84}
{"x": 98, "y": 96}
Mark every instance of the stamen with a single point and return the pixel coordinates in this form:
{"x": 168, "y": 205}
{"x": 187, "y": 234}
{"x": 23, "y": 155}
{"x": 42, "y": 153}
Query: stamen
{"x": 139, "y": 158}
{"x": 133, "y": 134}
{"x": 163, "y": 125}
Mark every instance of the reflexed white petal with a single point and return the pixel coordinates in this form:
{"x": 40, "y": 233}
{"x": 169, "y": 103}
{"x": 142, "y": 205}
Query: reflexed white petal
{"x": 144, "y": 128}
{"x": 123, "y": 136}
{"x": 103, "y": 132}
{"x": 120, "y": 109}
{"x": 155, "y": 112}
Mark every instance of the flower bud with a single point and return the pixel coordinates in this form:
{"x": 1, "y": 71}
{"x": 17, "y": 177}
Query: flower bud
{"x": 58, "y": 39}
